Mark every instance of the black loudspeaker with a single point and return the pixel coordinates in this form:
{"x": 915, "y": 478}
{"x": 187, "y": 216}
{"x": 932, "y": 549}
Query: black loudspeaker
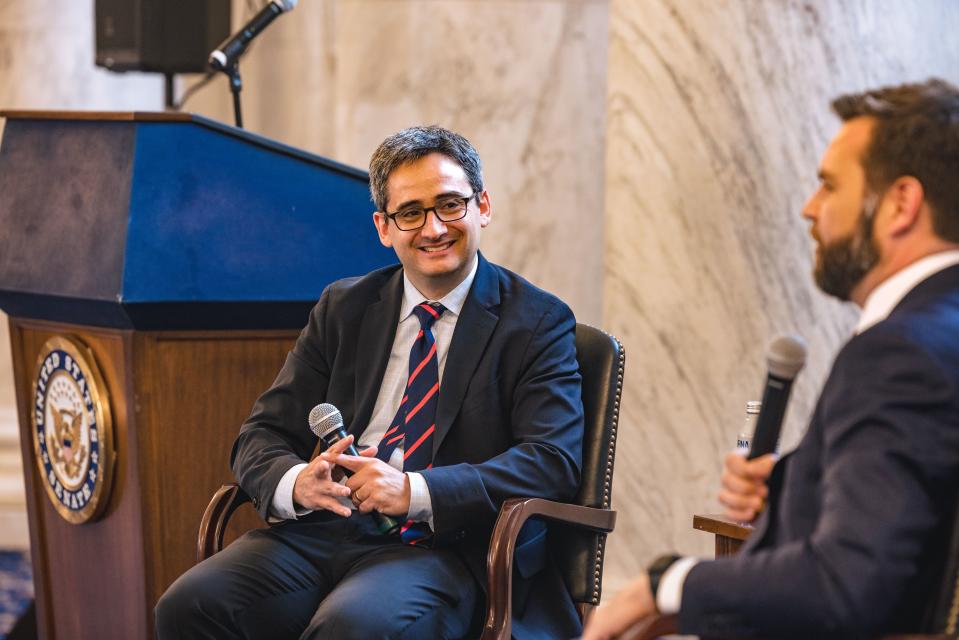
{"x": 166, "y": 36}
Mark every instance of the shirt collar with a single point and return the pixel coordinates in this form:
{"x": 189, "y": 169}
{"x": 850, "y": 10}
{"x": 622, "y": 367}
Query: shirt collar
{"x": 884, "y": 298}
{"x": 453, "y": 301}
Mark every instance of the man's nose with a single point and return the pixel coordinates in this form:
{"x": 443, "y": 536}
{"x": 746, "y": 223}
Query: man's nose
{"x": 433, "y": 225}
{"x": 810, "y": 209}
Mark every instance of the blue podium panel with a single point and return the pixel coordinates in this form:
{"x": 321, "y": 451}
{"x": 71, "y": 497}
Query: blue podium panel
{"x": 173, "y": 222}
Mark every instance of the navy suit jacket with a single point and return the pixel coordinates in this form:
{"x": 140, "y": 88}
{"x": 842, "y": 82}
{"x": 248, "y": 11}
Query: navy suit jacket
{"x": 854, "y": 539}
{"x": 509, "y": 420}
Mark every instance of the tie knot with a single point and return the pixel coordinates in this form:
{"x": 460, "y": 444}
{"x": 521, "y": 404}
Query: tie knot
{"x": 428, "y": 313}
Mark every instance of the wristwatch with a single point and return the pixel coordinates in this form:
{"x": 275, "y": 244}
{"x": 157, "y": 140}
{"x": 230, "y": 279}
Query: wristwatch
{"x": 657, "y": 568}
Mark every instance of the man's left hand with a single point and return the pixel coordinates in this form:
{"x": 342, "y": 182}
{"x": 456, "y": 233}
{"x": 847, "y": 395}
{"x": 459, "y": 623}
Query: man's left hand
{"x": 633, "y": 603}
{"x": 376, "y": 486}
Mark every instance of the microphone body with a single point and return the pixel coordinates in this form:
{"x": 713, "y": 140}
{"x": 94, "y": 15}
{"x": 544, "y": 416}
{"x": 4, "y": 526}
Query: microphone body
{"x": 326, "y": 422}
{"x": 335, "y": 436}
{"x": 226, "y": 55}
{"x": 785, "y": 356}
{"x": 770, "y": 421}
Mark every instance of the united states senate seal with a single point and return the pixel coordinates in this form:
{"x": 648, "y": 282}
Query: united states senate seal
{"x": 72, "y": 430}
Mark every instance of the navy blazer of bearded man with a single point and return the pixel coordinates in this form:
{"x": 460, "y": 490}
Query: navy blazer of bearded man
{"x": 509, "y": 419}
{"x": 854, "y": 539}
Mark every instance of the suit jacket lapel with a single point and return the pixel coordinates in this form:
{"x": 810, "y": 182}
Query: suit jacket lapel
{"x": 377, "y": 332}
{"x": 473, "y": 330}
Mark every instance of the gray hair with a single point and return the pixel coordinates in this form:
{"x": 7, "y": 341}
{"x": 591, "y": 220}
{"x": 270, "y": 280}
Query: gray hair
{"x": 414, "y": 143}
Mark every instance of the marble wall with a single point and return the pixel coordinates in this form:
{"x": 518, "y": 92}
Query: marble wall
{"x": 647, "y": 161}
{"x": 717, "y": 115}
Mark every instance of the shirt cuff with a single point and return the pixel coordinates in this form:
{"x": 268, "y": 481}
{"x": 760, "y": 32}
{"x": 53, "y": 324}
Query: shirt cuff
{"x": 421, "y": 504}
{"x": 282, "y": 505}
{"x": 669, "y": 596}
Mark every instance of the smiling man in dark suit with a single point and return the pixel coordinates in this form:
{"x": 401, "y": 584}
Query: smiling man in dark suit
{"x": 459, "y": 378}
{"x": 853, "y": 540}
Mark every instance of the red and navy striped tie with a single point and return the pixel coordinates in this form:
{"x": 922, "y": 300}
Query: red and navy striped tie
{"x": 415, "y": 420}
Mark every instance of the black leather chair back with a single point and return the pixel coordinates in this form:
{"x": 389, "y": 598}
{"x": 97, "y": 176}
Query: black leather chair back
{"x": 578, "y": 553}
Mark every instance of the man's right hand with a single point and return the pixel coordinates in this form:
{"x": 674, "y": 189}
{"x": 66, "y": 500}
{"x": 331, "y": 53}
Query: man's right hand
{"x": 744, "y": 485}
{"x": 315, "y": 488}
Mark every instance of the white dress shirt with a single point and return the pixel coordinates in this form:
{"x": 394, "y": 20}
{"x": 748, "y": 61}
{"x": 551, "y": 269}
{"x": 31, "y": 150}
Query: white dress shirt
{"x": 877, "y": 307}
{"x": 391, "y": 393}
{"x": 884, "y": 298}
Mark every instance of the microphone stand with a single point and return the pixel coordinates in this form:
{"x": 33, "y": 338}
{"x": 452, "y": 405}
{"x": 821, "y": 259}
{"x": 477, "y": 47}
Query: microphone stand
{"x": 236, "y": 85}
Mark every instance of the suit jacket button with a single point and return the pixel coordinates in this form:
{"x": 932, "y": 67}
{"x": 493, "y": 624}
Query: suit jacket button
{"x": 256, "y": 502}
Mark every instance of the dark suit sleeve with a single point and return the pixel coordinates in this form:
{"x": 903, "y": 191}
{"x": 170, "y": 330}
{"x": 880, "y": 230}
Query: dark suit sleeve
{"x": 546, "y": 425}
{"x": 887, "y": 422}
{"x": 276, "y": 436}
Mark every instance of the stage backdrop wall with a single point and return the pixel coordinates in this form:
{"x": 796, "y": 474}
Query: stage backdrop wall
{"x": 647, "y": 160}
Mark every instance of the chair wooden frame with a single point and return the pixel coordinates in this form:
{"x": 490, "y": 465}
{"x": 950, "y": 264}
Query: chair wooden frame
{"x": 513, "y": 514}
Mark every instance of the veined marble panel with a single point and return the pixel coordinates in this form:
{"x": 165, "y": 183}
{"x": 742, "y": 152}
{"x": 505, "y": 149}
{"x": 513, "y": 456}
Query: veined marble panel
{"x": 525, "y": 82}
{"x": 717, "y": 115}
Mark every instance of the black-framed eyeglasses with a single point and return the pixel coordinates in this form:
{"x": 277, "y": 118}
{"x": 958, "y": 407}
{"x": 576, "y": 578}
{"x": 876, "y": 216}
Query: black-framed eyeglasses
{"x": 446, "y": 209}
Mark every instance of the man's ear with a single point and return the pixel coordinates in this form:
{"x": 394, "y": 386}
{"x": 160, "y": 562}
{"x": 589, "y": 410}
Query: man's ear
{"x": 382, "y": 224}
{"x": 907, "y": 198}
{"x": 485, "y": 208}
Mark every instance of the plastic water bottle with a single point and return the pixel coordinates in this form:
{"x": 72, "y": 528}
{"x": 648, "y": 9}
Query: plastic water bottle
{"x": 745, "y": 438}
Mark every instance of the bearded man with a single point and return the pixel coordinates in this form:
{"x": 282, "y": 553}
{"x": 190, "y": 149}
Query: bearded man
{"x": 853, "y": 536}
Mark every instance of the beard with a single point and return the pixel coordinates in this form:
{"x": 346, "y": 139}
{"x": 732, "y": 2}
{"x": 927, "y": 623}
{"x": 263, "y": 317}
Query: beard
{"x": 843, "y": 263}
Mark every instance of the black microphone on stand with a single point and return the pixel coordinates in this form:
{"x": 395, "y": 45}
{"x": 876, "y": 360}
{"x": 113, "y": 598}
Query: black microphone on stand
{"x": 326, "y": 422}
{"x": 229, "y": 51}
{"x": 226, "y": 57}
{"x": 785, "y": 356}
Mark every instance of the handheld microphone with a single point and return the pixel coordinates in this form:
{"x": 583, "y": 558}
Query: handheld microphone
{"x": 326, "y": 422}
{"x": 785, "y": 356}
{"x": 226, "y": 55}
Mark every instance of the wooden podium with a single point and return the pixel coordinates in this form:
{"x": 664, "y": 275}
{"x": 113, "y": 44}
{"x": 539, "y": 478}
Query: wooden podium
{"x": 180, "y": 257}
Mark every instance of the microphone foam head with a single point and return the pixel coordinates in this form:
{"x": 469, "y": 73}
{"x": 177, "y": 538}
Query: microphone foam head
{"x": 286, "y": 5}
{"x": 325, "y": 419}
{"x": 785, "y": 356}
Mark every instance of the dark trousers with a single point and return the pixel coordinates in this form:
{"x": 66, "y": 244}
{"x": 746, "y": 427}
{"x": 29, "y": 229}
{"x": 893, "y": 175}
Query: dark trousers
{"x": 321, "y": 577}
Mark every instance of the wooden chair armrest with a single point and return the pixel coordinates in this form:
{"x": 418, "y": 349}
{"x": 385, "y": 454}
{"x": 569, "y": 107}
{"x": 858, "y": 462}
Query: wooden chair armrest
{"x": 213, "y": 525}
{"x": 660, "y": 625}
{"x": 499, "y": 563}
